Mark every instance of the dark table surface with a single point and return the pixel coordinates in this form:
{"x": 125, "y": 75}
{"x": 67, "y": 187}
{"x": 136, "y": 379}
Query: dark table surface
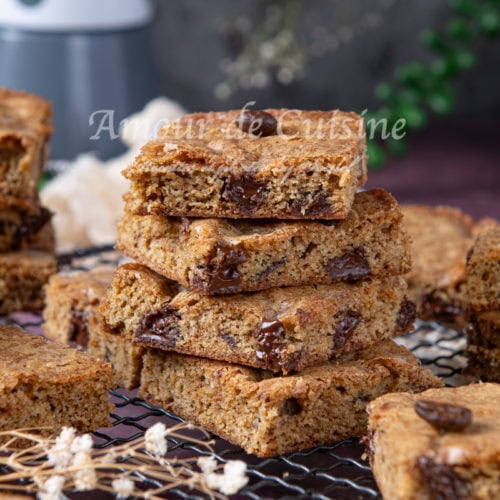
{"x": 448, "y": 164}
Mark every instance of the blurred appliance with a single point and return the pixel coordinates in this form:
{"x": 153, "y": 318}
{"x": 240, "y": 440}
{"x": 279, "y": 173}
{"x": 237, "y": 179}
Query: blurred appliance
{"x": 84, "y": 56}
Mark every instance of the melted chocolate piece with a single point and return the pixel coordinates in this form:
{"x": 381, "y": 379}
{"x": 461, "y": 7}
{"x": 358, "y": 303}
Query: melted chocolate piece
{"x": 78, "y": 328}
{"x": 270, "y": 337}
{"x": 444, "y": 416}
{"x": 271, "y": 268}
{"x": 222, "y": 270}
{"x": 34, "y": 223}
{"x": 159, "y": 329}
{"x": 3, "y": 229}
{"x": 245, "y": 191}
{"x": 291, "y": 406}
{"x": 30, "y": 226}
{"x": 346, "y": 322}
{"x": 350, "y": 266}
{"x": 406, "y": 315}
{"x": 319, "y": 205}
{"x": 436, "y": 307}
{"x": 259, "y": 123}
{"x": 442, "y": 481}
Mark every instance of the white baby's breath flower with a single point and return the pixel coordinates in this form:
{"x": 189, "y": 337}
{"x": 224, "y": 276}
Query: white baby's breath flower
{"x": 234, "y": 477}
{"x": 85, "y": 477}
{"x": 155, "y": 441}
{"x": 123, "y": 487}
{"x": 207, "y": 464}
{"x": 52, "y": 488}
{"x": 82, "y": 443}
{"x": 235, "y": 467}
{"x": 231, "y": 480}
{"x": 60, "y": 454}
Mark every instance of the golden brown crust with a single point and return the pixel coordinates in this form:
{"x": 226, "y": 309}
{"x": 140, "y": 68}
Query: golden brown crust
{"x": 398, "y": 437}
{"x": 214, "y": 139}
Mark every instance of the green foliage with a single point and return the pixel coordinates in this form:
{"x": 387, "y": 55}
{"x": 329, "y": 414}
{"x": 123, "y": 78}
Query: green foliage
{"x": 420, "y": 90}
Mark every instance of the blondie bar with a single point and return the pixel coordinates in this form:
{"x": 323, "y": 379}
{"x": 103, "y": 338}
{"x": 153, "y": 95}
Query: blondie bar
{"x": 280, "y": 329}
{"x": 441, "y": 444}
{"x": 278, "y": 163}
{"x": 44, "y": 383}
{"x": 268, "y": 415}
{"x": 483, "y": 271}
{"x": 441, "y": 238}
{"x": 220, "y": 256}
{"x": 25, "y": 129}
{"x": 69, "y": 300}
{"x": 23, "y": 276}
{"x": 483, "y": 346}
{"x": 72, "y": 317}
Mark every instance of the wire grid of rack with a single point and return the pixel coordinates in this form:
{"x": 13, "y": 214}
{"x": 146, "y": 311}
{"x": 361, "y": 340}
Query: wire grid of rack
{"x": 335, "y": 471}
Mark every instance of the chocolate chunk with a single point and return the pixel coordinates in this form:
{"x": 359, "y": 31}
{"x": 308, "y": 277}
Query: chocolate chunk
{"x": 245, "y": 191}
{"x": 259, "y": 123}
{"x": 229, "y": 339}
{"x": 406, "y": 315}
{"x": 271, "y": 268}
{"x": 159, "y": 329}
{"x": 436, "y": 307}
{"x": 3, "y": 229}
{"x": 350, "y": 266}
{"x": 270, "y": 336}
{"x": 318, "y": 205}
{"x": 30, "y": 226}
{"x": 345, "y": 325}
{"x": 442, "y": 481}
{"x": 291, "y": 406}
{"x": 222, "y": 270}
{"x": 444, "y": 416}
{"x": 78, "y": 328}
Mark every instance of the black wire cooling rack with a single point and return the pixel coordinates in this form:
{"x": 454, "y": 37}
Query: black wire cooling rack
{"x": 328, "y": 472}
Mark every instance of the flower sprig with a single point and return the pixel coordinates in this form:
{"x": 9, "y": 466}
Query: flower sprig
{"x": 70, "y": 462}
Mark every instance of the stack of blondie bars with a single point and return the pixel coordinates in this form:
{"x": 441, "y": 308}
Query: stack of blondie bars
{"x": 26, "y": 236}
{"x": 265, "y": 290}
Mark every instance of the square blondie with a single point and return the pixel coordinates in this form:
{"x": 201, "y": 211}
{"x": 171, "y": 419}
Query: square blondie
{"x": 277, "y": 163}
{"x": 280, "y": 329}
{"x": 443, "y": 443}
{"x": 223, "y": 256}
{"x": 268, "y": 415}
{"x": 44, "y": 383}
